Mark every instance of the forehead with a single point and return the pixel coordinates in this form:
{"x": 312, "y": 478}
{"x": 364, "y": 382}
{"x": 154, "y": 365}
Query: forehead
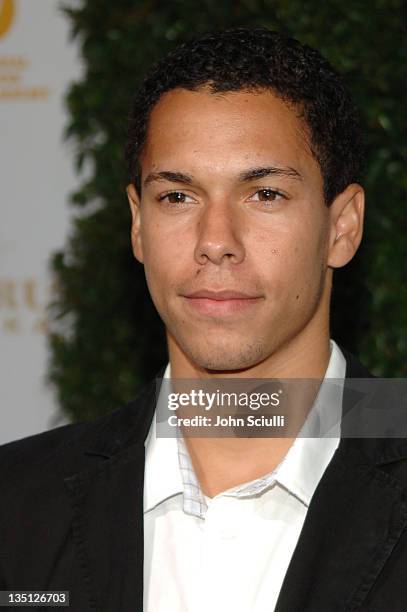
{"x": 225, "y": 131}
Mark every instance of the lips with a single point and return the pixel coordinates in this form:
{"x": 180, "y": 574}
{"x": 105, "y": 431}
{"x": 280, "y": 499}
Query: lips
{"x": 221, "y": 303}
{"x": 221, "y": 295}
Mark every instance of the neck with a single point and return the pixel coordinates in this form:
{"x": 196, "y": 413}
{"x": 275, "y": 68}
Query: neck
{"x": 221, "y": 463}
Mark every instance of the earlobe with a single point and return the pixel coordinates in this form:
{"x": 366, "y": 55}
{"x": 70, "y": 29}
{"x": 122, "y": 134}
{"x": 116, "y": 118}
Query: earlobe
{"x": 346, "y": 214}
{"x": 136, "y": 241}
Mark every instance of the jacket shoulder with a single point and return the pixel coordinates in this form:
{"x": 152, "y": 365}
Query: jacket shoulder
{"x": 28, "y": 451}
{"x": 38, "y": 457}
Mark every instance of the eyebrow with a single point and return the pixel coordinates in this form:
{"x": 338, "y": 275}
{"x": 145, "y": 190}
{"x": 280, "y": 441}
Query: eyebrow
{"x": 165, "y": 175}
{"x": 247, "y": 175}
{"x": 255, "y": 173}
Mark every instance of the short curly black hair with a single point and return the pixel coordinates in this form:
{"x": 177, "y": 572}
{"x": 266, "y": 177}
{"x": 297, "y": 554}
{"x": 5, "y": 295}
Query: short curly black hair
{"x": 249, "y": 59}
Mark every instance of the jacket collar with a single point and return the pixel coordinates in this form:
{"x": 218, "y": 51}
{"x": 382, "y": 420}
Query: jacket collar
{"x": 126, "y": 426}
{"x": 376, "y": 451}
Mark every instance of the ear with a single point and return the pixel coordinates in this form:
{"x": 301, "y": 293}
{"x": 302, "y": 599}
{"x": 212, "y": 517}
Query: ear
{"x": 346, "y": 221}
{"x": 134, "y": 201}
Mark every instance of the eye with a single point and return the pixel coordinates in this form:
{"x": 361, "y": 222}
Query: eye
{"x": 175, "y": 197}
{"x": 266, "y": 195}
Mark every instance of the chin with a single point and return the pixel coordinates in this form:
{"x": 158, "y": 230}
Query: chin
{"x": 227, "y": 359}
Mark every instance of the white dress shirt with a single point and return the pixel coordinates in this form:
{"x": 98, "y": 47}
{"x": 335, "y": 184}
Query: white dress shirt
{"x": 232, "y": 551}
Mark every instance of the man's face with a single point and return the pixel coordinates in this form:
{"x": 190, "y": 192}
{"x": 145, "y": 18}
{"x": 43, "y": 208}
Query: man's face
{"x": 232, "y": 201}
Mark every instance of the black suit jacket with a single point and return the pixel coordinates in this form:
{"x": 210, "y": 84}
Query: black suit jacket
{"x": 71, "y": 518}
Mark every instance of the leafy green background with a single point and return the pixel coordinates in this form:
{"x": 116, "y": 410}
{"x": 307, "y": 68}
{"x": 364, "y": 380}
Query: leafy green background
{"x": 106, "y": 337}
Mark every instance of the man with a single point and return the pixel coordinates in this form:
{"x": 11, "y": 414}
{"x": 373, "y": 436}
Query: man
{"x": 245, "y": 160}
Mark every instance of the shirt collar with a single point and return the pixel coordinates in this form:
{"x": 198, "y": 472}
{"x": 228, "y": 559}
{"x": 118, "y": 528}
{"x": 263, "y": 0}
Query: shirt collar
{"x": 162, "y": 475}
{"x": 307, "y": 459}
{"x": 168, "y": 468}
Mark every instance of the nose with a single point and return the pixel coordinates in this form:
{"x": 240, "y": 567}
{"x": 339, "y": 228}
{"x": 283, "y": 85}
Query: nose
{"x": 219, "y": 235}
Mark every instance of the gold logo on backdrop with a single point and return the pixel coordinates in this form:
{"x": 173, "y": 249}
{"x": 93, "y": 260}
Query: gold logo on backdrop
{"x": 23, "y": 305}
{"x": 12, "y": 67}
{"x": 6, "y": 16}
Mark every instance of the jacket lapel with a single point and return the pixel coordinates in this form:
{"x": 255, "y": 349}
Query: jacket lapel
{"x": 107, "y": 503}
{"x": 355, "y": 518}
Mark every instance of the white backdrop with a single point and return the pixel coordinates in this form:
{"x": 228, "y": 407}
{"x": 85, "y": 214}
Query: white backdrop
{"x": 37, "y": 62}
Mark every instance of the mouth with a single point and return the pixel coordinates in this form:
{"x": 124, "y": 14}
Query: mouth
{"x": 221, "y": 303}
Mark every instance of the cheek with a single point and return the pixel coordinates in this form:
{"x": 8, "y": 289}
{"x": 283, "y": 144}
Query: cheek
{"x": 164, "y": 252}
{"x": 290, "y": 258}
